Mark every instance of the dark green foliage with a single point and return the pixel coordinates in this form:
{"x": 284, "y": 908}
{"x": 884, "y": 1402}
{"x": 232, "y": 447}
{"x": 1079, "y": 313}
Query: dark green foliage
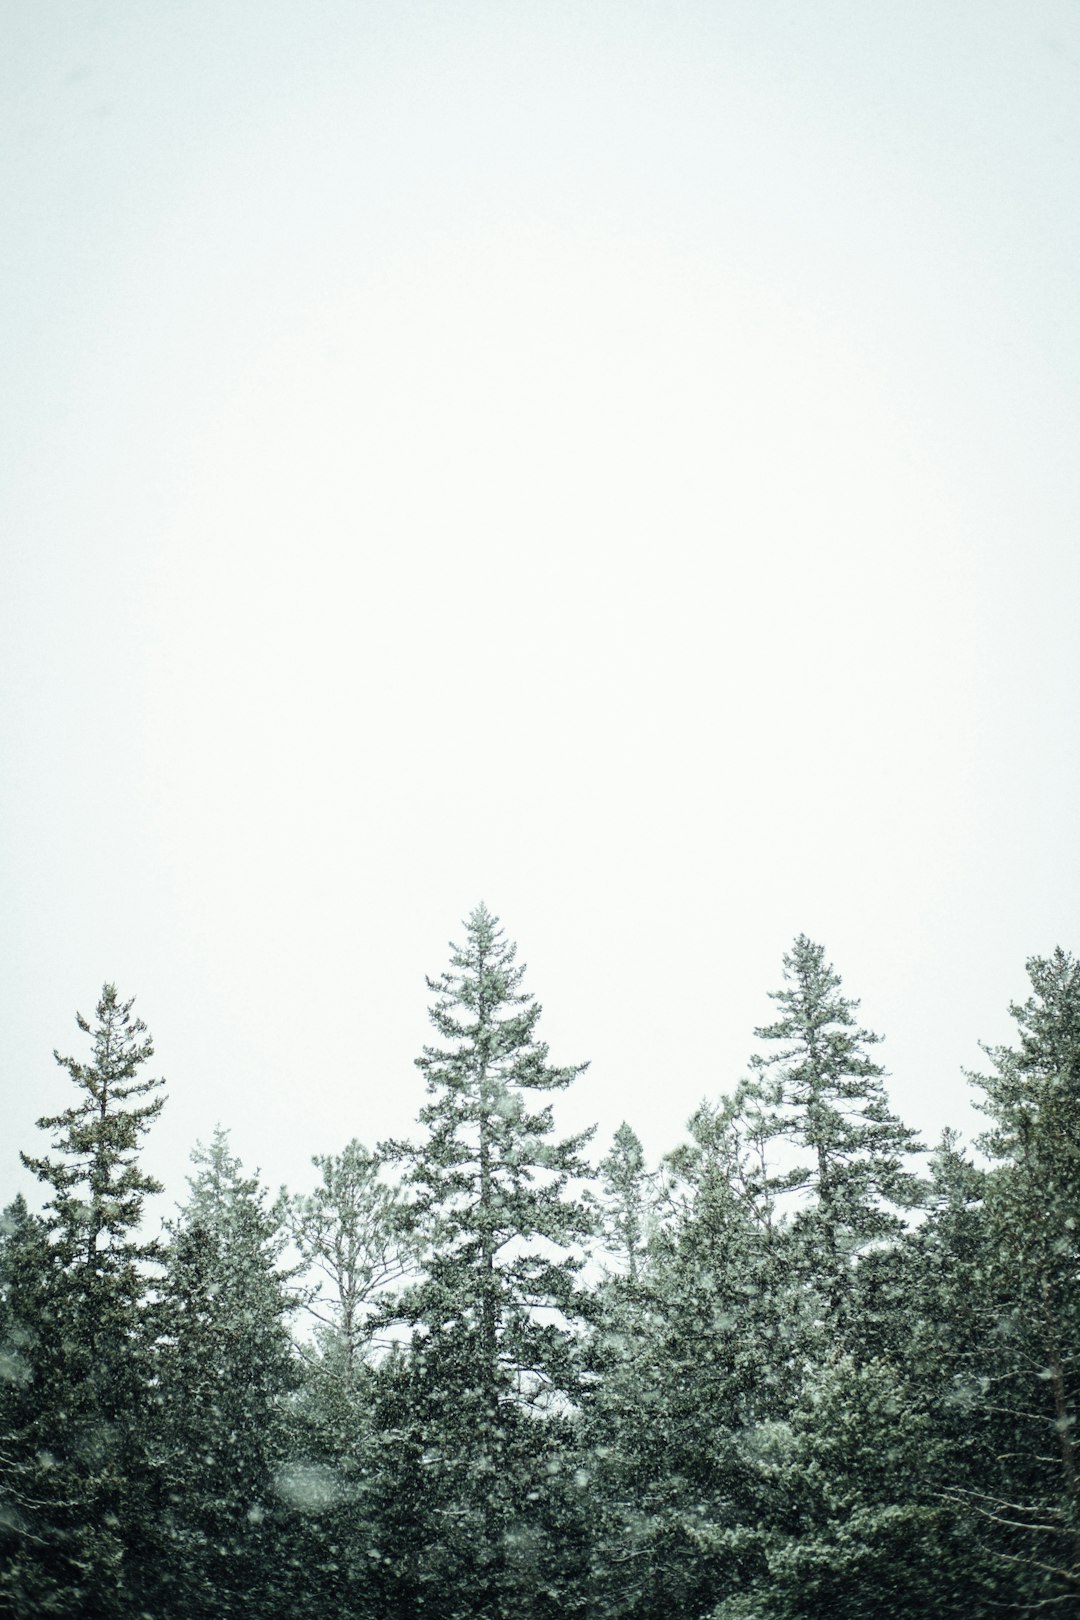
{"x": 822, "y": 1093}
{"x": 488, "y": 1187}
{"x": 42, "y": 1512}
{"x": 852, "y": 1533}
{"x": 1028, "y": 1501}
{"x": 690, "y": 1359}
{"x": 97, "y": 1188}
{"x": 224, "y": 1366}
{"x": 765, "y": 1396}
{"x": 485, "y": 1383}
{"x": 78, "y": 1302}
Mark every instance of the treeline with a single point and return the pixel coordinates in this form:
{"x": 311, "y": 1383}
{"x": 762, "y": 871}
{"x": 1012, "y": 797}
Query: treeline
{"x": 801, "y": 1369}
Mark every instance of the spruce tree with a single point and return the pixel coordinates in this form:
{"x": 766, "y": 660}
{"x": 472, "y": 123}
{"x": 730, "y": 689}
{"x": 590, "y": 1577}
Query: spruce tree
{"x": 822, "y": 1094}
{"x": 853, "y": 1526}
{"x": 949, "y": 1313}
{"x": 625, "y": 1201}
{"x": 39, "y": 1529}
{"x": 225, "y": 1368}
{"x": 482, "y": 1390}
{"x": 1027, "y": 1499}
{"x": 691, "y": 1368}
{"x": 87, "y": 1331}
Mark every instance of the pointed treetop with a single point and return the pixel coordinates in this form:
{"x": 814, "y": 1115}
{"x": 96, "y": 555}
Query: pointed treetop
{"x": 824, "y": 1092}
{"x": 818, "y": 1019}
{"x": 98, "y": 1185}
{"x": 1037, "y": 1084}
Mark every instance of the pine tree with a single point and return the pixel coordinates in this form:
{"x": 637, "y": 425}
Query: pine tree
{"x": 22, "y": 1239}
{"x": 1030, "y": 1384}
{"x": 855, "y": 1528}
{"x": 822, "y": 1093}
{"x": 481, "y": 1392}
{"x": 87, "y": 1331}
{"x": 225, "y": 1368}
{"x": 692, "y": 1368}
{"x": 619, "y": 1400}
{"x": 39, "y": 1559}
{"x": 625, "y": 1202}
{"x": 350, "y": 1234}
{"x": 98, "y": 1187}
{"x": 944, "y": 1340}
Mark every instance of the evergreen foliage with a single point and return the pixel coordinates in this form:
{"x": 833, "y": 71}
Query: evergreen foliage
{"x": 821, "y": 1095}
{"x": 625, "y": 1200}
{"x": 79, "y": 1297}
{"x": 685, "y": 1375}
{"x": 350, "y": 1231}
{"x": 224, "y": 1367}
{"x": 1029, "y": 1499}
{"x": 748, "y": 1385}
{"x": 491, "y": 1361}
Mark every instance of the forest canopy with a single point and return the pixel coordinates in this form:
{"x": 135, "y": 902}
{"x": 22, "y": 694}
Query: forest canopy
{"x": 800, "y": 1367}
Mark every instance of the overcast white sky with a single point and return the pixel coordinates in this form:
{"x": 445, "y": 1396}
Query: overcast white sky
{"x": 615, "y": 460}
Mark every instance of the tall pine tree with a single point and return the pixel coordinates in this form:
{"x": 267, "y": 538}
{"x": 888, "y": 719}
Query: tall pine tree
{"x": 821, "y": 1093}
{"x": 87, "y": 1332}
{"x": 491, "y": 1362}
{"x": 683, "y": 1358}
{"x": 225, "y": 1367}
{"x": 1030, "y": 1381}
{"x": 350, "y": 1234}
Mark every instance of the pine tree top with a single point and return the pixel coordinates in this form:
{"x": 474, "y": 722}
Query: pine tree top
{"x": 1035, "y": 1086}
{"x": 490, "y": 1020}
{"x": 98, "y": 1184}
{"x": 824, "y": 1092}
